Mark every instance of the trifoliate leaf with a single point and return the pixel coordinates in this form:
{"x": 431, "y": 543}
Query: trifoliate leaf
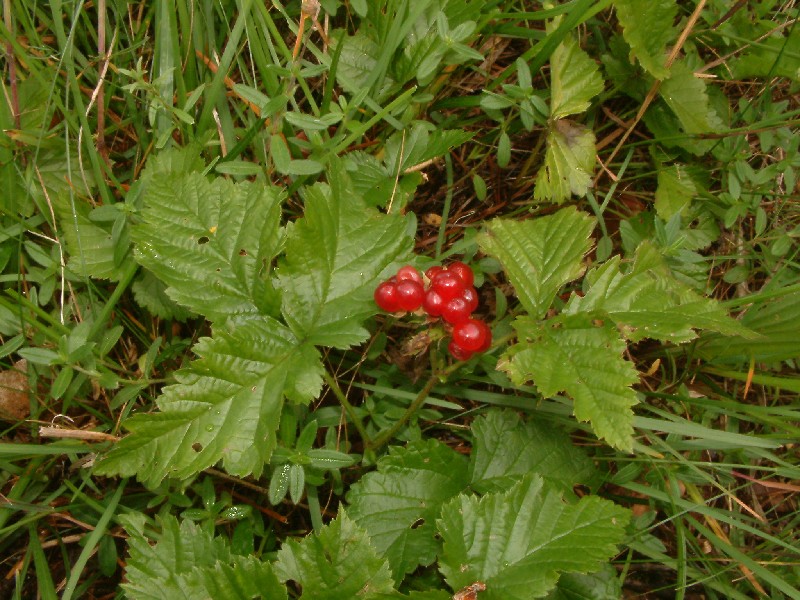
{"x": 686, "y": 95}
{"x": 518, "y": 542}
{"x": 648, "y": 28}
{"x": 334, "y": 563}
{"x": 211, "y": 243}
{"x": 647, "y": 302}
{"x": 568, "y": 163}
{"x": 675, "y": 191}
{"x": 505, "y": 448}
{"x": 335, "y": 256}
{"x": 399, "y": 503}
{"x": 575, "y": 80}
{"x": 226, "y": 406}
{"x": 540, "y": 255}
{"x": 585, "y": 361}
{"x": 188, "y": 563}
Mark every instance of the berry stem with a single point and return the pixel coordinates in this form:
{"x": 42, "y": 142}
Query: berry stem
{"x": 349, "y": 408}
{"x": 385, "y": 436}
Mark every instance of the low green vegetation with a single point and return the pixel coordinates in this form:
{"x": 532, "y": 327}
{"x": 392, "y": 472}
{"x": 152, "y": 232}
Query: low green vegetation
{"x": 200, "y": 397}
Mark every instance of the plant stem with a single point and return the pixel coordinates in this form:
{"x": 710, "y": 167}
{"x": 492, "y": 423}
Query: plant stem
{"x": 349, "y": 408}
{"x": 387, "y": 435}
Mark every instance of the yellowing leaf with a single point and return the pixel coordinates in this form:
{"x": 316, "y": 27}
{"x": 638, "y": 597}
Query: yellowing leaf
{"x": 568, "y": 163}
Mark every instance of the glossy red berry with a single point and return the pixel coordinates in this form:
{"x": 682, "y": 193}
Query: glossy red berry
{"x": 472, "y": 335}
{"x": 471, "y": 296}
{"x": 433, "y": 271}
{"x": 463, "y": 271}
{"x": 433, "y": 303}
{"x": 409, "y": 273}
{"x": 448, "y": 285}
{"x": 458, "y": 352}
{"x": 456, "y": 310}
{"x": 410, "y": 294}
{"x": 386, "y": 297}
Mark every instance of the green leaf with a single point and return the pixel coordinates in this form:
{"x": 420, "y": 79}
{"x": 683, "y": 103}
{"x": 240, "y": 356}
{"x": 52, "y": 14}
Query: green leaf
{"x": 151, "y": 293}
{"x": 648, "y": 302}
{"x": 540, "y": 255}
{"x": 675, "y": 191}
{"x": 585, "y": 362}
{"x": 518, "y": 542}
{"x": 568, "y": 162}
{"x": 188, "y": 563}
{"x": 648, "y": 28}
{"x": 336, "y": 562}
{"x": 398, "y": 504}
{"x": 91, "y": 247}
{"x": 505, "y": 448}
{"x": 210, "y": 242}
{"x": 686, "y": 95}
{"x": 335, "y": 256}
{"x": 603, "y": 585}
{"x": 575, "y": 79}
{"x": 226, "y": 406}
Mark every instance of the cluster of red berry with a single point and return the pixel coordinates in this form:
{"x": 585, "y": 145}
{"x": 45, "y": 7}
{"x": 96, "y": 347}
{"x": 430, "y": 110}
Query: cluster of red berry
{"x": 450, "y": 295}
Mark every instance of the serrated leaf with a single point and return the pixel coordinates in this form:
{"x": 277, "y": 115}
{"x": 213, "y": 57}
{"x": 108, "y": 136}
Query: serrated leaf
{"x": 226, "y": 406}
{"x": 151, "y": 293}
{"x": 686, "y": 95}
{"x": 648, "y": 28}
{"x": 675, "y": 191}
{"x": 603, "y": 585}
{"x": 336, "y": 562}
{"x": 335, "y": 256}
{"x": 586, "y": 362}
{"x": 187, "y": 562}
{"x": 575, "y": 79}
{"x": 647, "y": 302}
{"x": 540, "y": 255}
{"x": 91, "y": 247}
{"x": 568, "y": 162}
{"x": 211, "y": 243}
{"x": 398, "y": 504}
{"x": 505, "y": 448}
{"x": 518, "y": 542}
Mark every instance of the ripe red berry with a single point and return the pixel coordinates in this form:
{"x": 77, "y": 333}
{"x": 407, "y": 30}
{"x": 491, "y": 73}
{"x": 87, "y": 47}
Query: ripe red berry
{"x": 456, "y": 310}
{"x": 409, "y": 273}
{"x": 470, "y": 294}
{"x": 386, "y": 297}
{"x": 472, "y": 335}
{"x": 410, "y": 294}
{"x": 448, "y": 285}
{"x": 458, "y": 352}
{"x": 433, "y": 271}
{"x": 433, "y": 303}
{"x": 463, "y": 271}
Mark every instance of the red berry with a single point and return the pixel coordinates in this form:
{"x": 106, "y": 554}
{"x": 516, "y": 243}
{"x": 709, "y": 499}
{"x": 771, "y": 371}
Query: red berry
{"x": 409, "y": 273}
{"x": 471, "y": 296}
{"x": 458, "y": 352}
{"x": 448, "y": 285}
{"x": 456, "y": 310}
{"x": 433, "y": 271}
{"x": 463, "y": 271}
{"x": 433, "y": 303}
{"x": 410, "y": 294}
{"x": 472, "y": 335}
{"x": 386, "y": 297}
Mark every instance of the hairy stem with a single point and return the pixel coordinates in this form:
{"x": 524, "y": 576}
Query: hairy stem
{"x": 387, "y": 435}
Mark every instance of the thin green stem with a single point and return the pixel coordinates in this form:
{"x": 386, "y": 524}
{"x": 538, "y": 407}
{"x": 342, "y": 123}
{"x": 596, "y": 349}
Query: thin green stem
{"x": 349, "y": 408}
{"x": 387, "y": 435}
